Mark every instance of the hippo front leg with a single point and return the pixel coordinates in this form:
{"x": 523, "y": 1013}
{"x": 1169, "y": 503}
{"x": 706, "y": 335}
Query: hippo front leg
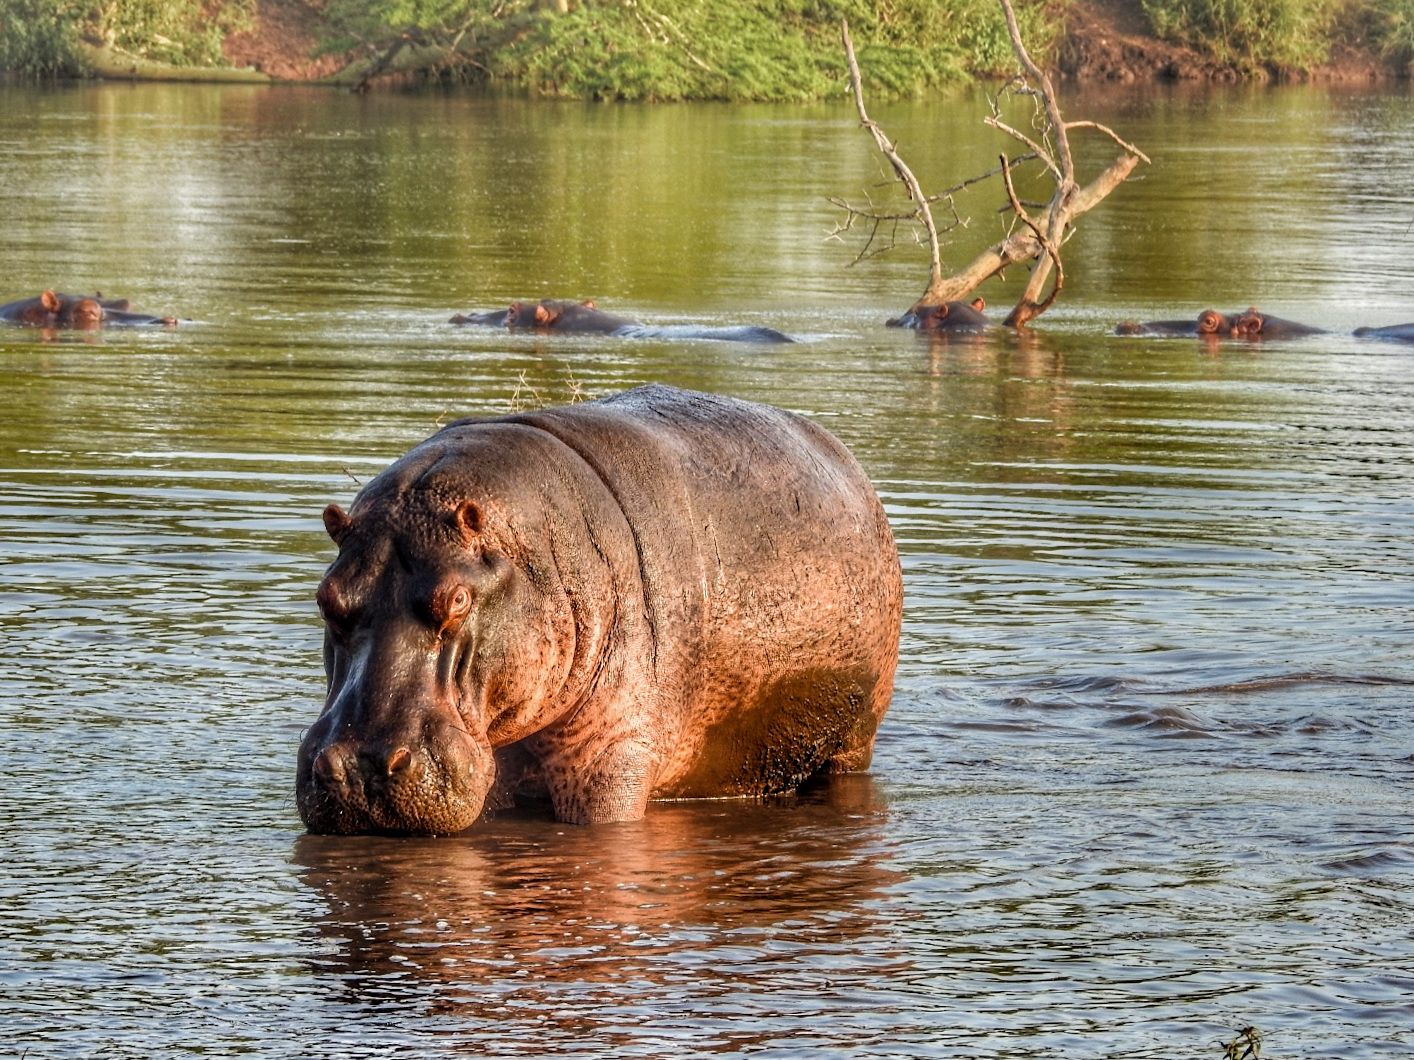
{"x": 611, "y": 784}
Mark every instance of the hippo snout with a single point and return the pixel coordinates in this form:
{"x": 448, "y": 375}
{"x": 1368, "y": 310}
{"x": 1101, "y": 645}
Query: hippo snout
{"x": 436, "y": 785}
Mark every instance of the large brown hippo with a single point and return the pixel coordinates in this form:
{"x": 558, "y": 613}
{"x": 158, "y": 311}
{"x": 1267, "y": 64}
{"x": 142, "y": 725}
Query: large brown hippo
{"x": 81, "y": 312}
{"x": 586, "y": 318}
{"x": 662, "y": 594}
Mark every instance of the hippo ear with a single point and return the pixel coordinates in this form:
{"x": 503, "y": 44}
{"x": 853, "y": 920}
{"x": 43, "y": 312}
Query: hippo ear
{"x": 337, "y": 522}
{"x": 50, "y": 301}
{"x": 543, "y": 316}
{"x": 979, "y": 304}
{"x": 588, "y": 303}
{"x": 467, "y": 521}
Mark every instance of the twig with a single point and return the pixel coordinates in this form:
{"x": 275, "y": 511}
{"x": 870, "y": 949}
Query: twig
{"x": 1112, "y": 135}
{"x": 1038, "y": 78}
{"x": 1041, "y": 236}
{"x": 915, "y": 191}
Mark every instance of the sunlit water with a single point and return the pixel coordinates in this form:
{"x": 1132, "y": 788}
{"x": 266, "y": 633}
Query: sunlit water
{"x": 1147, "y": 777}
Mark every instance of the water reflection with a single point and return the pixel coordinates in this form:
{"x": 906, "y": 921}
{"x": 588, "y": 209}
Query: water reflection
{"x": 506, "y": 915}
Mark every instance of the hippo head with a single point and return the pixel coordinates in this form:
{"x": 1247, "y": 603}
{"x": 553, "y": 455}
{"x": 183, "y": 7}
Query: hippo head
{"x": 944, "y": 316}
{"x": 437, "y": 645}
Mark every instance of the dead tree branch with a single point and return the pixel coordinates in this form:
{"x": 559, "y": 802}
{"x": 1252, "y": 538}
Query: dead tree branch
{"x": 886, "y": 147}
{"x": 1036, "y": 239}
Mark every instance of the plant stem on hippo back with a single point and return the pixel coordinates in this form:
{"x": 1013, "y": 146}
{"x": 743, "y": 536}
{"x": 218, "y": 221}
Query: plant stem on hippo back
{"x": 662, "y": 594}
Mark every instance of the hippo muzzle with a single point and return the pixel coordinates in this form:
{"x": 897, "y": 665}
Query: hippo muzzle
{"x": 391, "y": 760}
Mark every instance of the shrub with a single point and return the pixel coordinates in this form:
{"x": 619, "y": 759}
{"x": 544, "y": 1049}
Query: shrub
{"x": 1294, "y": 34}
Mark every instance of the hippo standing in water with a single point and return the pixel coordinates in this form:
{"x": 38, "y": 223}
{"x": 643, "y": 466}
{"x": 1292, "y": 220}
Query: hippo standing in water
{"x": 586, "y": 318}
{"x": 80, "y": 312}
{"x": 662, "y": 594}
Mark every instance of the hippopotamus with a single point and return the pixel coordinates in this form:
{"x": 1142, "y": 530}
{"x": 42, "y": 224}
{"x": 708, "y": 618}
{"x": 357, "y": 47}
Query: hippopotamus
{"x": 1255, "y": 324}
{"x": 948, "y": 316}
{"x": 557, "y": 314}
{"x": 658, "y": 595}
{"x": 81, "y": 312}
{"x": 1391, "y": 332}
{"x": 1251, "y": 324}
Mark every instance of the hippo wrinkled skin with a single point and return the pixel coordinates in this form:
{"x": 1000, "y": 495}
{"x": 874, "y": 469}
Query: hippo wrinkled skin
{"x": 80, "y": 312}
{"x": 586, "y": 318}
{"x": 662, "y": 594}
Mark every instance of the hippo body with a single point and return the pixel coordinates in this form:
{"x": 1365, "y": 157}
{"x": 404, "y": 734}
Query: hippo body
{"x": 81, "y": 312}
{"x": 1391, "y": 333}
{"x": 585, "y": 318}
{"x": 1251, "y": 324}
{"x": 663, "y": 594}
{"x": 962, "y": 317}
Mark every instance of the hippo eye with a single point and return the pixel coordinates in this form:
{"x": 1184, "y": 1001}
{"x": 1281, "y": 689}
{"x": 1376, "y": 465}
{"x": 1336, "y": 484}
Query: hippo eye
{"x": 449, "y": 606}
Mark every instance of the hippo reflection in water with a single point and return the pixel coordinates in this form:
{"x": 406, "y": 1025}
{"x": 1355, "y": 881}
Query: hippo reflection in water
{"x": 586, "y": 318}
{"x": 80, "y": 312}
{"x": 662, "y": 594}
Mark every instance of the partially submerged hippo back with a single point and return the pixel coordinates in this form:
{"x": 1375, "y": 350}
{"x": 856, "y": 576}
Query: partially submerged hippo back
{"x": 586, "y": 318}
{"x": 661, "y": 594}
{"x": 1391, "y": 332}
{"x": 1208, "y": 322}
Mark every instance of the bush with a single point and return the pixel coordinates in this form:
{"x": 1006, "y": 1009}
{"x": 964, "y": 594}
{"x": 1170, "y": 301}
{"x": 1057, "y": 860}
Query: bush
{"x": 39, "y": 38}
{"x": 1294, "y": 34}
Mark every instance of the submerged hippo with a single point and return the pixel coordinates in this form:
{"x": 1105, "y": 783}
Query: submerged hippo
{"x": 663, "y": 594}
{"x": 1251, "y": 324}
{"x": 81, "y": 312}
{"x": 586, "y": 318}
{"x": 1208, "y": 322}
{"x": 945, "y": 317}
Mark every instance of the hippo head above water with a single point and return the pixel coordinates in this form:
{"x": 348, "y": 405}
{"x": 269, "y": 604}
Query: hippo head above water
{"x": 411, "y": 601}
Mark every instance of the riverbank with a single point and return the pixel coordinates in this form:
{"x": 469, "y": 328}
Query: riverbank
{"x": 637, "y": 52}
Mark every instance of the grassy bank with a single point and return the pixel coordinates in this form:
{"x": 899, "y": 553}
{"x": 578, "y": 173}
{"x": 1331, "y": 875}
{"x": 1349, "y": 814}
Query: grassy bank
{"x": 45, "y": 38}
{"x": 684, "y": 49}
{"x": 1285, "y": 34}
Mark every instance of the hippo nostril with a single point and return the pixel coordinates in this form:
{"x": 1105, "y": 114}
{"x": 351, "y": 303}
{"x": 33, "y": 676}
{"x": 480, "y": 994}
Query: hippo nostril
{"x": 325, "y": 768}
{"x": 398, "y": 760}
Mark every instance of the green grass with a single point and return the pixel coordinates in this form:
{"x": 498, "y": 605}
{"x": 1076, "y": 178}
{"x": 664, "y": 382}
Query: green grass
{"x": 781, "y": 50}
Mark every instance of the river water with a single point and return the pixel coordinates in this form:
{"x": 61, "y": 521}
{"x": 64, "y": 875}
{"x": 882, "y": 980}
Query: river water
{"x": 1147, "y": 776}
